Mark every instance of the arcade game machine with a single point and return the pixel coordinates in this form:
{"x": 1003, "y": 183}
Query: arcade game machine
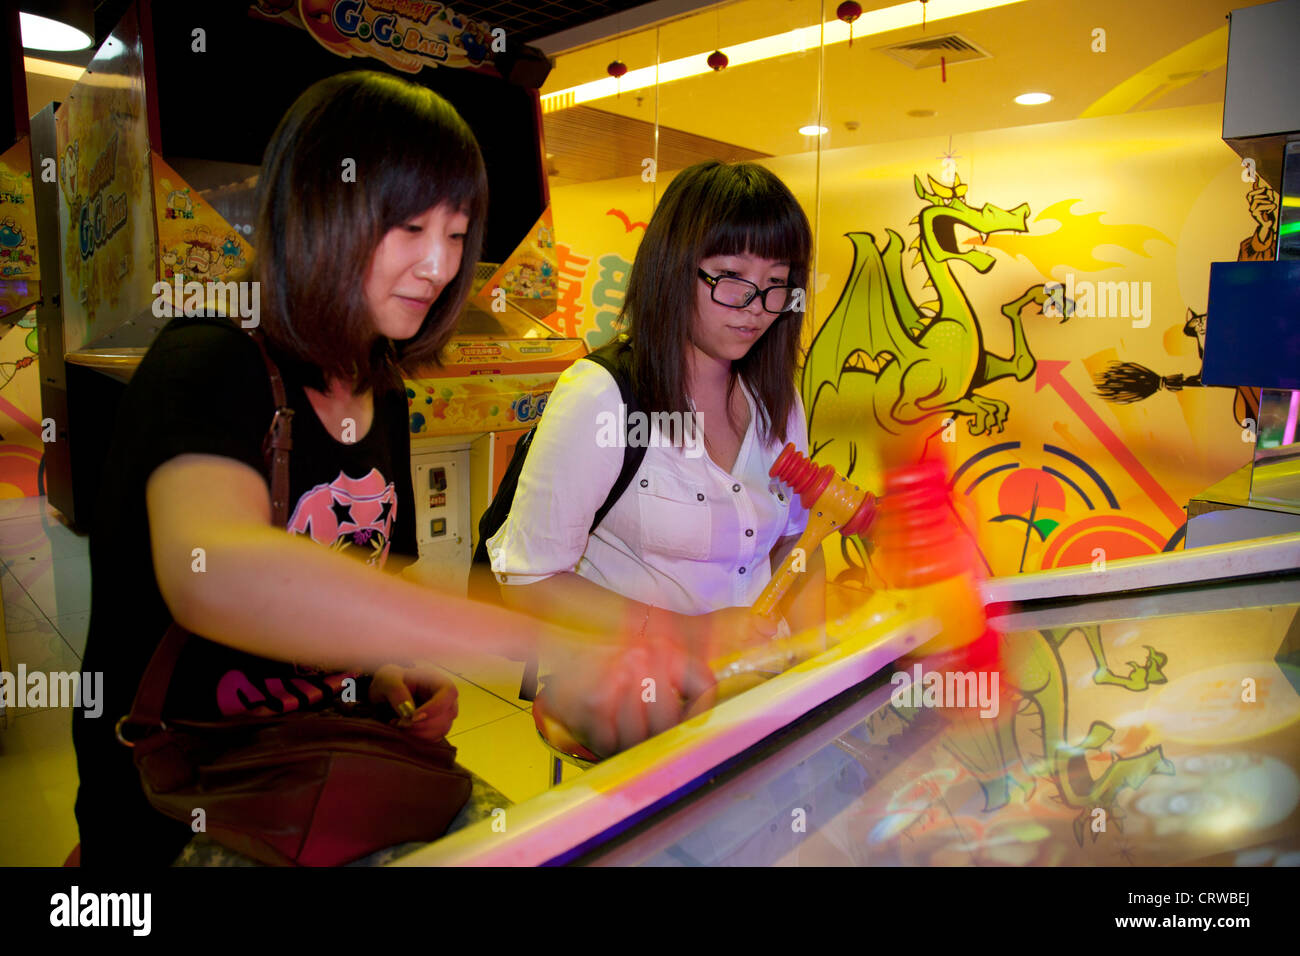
{"x": 1147, "y": 713}
{"x": 468, "y": 414}
{"x": 20, "y": 271}
{"x": 156, "y": 189}
{"x": 1132, "y": 729}
{"x": 20, "y": 291}
{"x": 1144, "y": 712}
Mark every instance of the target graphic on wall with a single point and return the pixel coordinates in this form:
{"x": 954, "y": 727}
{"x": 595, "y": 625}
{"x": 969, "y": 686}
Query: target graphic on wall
{"x": 1064, "y": 512}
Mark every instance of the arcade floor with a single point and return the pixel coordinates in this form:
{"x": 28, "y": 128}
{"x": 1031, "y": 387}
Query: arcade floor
{"x": 45, "y": 574}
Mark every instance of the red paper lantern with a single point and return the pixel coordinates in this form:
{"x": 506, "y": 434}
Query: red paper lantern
{"x": 616, "y": 69}
{"x": 848, "y": 11}
{"x": 718, "y": 60}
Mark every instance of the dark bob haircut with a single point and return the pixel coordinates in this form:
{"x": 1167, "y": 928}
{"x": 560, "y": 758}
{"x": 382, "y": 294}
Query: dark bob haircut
{"x": 318, "y": 226}
{"x": 715, "y": 209}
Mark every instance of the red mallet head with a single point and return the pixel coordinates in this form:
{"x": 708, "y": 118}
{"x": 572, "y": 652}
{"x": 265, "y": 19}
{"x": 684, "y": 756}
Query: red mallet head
{"x": 918, "y": 538}
{"x": 833, "y": 504}
{"x": 718, "y": 60}
{"x": 850, "y": 508}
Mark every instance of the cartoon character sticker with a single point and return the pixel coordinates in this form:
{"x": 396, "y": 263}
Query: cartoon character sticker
{"x": 179, "y": 205}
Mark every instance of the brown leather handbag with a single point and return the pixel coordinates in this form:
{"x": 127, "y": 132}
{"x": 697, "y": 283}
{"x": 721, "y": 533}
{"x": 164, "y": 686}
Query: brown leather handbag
{"x": 306, "y": 789}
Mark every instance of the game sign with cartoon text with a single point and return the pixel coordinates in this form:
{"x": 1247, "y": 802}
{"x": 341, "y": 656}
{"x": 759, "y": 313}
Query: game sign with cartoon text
{"x": 527, "y": 278}
{"x": 195, "y": 243}
{"x": 106, "y": 205}
{"x": 406, "y": 34}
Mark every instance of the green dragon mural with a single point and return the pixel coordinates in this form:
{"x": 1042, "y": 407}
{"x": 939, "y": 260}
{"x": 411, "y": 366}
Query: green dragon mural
{"x": 1034, "y": 672}
{"x": 881, "y": 367}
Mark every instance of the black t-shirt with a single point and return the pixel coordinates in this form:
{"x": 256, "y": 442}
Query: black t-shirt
{"x": 204, "y": 389}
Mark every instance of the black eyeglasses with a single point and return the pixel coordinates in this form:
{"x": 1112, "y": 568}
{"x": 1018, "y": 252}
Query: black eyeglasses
{"x": 737, "y": 293}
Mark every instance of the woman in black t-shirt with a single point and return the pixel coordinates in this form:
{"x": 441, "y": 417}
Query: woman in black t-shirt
{"x": 372, "y": 203}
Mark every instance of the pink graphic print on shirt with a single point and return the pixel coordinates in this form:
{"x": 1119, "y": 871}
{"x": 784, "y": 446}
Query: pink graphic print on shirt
{"x": 240, "y": 695}
{"x": 347, "y": 513}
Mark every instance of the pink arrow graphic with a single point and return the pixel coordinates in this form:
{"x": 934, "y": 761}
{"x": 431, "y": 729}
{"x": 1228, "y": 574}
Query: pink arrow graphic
{"x": 1049, "y": 373}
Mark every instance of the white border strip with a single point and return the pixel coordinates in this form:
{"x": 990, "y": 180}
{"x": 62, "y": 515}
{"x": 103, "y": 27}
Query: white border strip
{"x": 1279, "y": 553}
{"x": 566, "y": 816}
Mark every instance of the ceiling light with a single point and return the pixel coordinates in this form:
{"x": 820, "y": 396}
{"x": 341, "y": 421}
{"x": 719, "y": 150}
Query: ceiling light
{"x": 800, "y": 40}
{"x": 1034, "y": 99}
{"x": 813, "y": 130}
{"x": 42, "y": 33}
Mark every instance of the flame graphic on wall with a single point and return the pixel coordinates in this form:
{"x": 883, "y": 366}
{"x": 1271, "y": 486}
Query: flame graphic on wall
{"x": 1072, "y": 245}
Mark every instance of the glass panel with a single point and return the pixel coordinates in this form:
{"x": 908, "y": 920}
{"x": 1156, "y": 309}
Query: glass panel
{"x": 1116, "y": 736}
{"x": 602, "y": 153}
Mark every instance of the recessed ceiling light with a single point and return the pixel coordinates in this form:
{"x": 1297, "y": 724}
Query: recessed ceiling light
{"x": 42, "y": 33}
{"x": 921, "y": 114}
{"x": 1034, "y": 99}
{"x": 813, "y": 130}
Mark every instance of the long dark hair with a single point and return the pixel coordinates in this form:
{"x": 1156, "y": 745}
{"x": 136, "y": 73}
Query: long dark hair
{"x": 316, "y": 231}
{"x": 715, "y": 209}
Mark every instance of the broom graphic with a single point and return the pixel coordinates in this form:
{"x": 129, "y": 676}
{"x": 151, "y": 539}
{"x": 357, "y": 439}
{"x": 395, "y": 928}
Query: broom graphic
{"x": 1124, "y": 383}
{"x": 1127, "y": 382}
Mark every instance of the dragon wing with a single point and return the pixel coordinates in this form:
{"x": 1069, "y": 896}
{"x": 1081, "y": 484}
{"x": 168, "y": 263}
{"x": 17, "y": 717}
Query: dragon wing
{"x": 865, "y": 318}
{"x": 908, "y": 314}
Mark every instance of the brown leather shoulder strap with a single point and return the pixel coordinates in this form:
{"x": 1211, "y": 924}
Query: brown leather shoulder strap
{"x": 278, "y": 441}
{"x": 146, "y": 710}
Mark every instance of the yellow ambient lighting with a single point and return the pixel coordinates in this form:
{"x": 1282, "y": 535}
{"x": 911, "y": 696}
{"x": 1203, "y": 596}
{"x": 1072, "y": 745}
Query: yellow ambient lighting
{"x": 800, "y": 40}
{"x": 61, "y": 71}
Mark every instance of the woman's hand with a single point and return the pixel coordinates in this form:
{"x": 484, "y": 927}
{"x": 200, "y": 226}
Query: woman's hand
{"x": 728, "y": 631}
{"x": 611, "y": 697}
{"x": 423, "y": 697}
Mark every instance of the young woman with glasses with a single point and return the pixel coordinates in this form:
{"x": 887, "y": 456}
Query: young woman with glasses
{"x": 714, "y": 311}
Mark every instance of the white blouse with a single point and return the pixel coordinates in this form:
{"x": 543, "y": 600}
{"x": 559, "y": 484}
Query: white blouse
{"x": 686, "y": 535}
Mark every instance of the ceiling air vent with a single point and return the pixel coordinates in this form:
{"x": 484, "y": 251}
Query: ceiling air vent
{"x": 923, "y": 54}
